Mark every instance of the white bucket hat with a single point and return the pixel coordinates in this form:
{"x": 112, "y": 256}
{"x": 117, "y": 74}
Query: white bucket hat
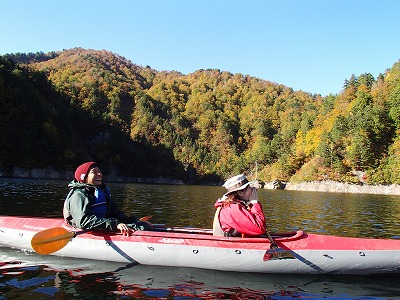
{"x": 236, "y": 183}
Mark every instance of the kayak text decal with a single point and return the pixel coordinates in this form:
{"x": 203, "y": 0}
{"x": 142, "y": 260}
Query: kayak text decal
{"x": 172, "y": 241}
{"x": 33, "y": 227}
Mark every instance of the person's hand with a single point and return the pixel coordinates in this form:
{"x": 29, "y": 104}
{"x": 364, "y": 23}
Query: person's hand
{"x": 253, "y": 198}
{"x": 125, "y": 230}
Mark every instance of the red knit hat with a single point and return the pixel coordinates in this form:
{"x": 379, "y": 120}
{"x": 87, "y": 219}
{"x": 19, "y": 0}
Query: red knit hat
{"x": 83, "y": 170}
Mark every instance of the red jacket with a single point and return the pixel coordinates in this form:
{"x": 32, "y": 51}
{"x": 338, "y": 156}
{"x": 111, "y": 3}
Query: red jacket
{"x": 250, "y": 221}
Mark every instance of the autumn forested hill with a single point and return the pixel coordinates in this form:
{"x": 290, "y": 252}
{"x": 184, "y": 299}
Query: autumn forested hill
{"x": 62, "y": 108}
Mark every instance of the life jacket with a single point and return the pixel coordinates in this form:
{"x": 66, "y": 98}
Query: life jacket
{"x": 99, "y": 207}
{"x": 217, "y": 230}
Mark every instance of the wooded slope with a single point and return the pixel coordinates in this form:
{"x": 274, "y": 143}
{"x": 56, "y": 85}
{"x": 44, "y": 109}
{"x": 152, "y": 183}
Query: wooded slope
{"x": 62, "y": 108}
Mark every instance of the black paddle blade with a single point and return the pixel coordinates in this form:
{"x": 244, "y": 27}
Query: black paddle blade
{"x": 277, "y": 253}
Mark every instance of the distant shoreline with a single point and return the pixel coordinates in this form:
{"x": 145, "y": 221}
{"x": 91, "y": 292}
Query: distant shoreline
{"x": 340, "y": 187}
{"x": 311, "y": 186}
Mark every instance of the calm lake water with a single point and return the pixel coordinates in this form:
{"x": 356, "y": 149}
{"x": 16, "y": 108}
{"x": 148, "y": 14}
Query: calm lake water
{"x": 31, "y": 276}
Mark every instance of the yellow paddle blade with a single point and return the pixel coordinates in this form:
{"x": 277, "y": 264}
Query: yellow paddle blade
{"x": 51, "y": 240}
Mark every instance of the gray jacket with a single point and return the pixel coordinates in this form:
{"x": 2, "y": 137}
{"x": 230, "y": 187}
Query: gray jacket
{"x": 78, "y": 209}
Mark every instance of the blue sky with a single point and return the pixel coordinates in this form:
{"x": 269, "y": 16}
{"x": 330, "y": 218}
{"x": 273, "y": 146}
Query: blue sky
{"x": 309, "y": 45}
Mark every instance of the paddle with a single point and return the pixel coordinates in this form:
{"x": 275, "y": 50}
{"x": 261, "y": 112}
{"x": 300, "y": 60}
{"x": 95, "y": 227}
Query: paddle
{"x": 275, "y": 252}
{"x": 54, "y": 239}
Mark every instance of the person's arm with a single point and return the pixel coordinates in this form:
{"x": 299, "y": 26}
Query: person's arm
{"x": 114, "y": 211}
{"x": 251, "y": 222}
{"x": 258, "y": 216}
{"x": 118, "y": 214}
{"x": 133, "y": 222}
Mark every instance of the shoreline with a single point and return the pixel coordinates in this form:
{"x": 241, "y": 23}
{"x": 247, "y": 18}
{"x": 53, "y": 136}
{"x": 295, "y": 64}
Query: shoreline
{"x": 340, "y": 187}
{"x": 309, "y": 186}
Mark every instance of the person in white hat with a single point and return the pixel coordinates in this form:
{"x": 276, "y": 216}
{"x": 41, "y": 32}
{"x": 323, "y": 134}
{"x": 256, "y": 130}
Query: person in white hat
{"x": 238, "y": 211}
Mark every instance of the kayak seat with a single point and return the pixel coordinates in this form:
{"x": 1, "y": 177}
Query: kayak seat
{"x": 217, "y": 230}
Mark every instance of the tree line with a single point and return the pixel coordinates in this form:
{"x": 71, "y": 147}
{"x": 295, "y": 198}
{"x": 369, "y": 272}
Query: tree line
{"x": 61, "y": 108}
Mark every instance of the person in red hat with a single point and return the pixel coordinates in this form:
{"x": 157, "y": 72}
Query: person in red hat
{"x": 89, "y": 205}
{"x": 239, "y": 213}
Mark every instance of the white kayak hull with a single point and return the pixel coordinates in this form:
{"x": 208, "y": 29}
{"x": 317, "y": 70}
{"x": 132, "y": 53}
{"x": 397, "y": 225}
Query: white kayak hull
{"x": 197, "y": 248}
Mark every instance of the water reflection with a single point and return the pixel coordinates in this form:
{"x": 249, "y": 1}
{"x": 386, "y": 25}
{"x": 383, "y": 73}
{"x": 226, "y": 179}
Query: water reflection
{"x": 27, "y": 275}
{"x": 181, "y": 205}
{"x": 355, "y": 215}
{"x": 48, "y": 277}
{"x": 32, "y": 197}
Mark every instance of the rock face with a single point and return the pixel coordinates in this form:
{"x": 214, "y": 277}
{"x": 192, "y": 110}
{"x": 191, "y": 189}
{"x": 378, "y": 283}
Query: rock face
{"x": 40, "y": 173}
{"x": 278, "y": 185}
{"x": 49, "y": 173}
{"x": 313, "y": 186}
{"x": 340, "y": 187}
{"x": 275, "y": 185}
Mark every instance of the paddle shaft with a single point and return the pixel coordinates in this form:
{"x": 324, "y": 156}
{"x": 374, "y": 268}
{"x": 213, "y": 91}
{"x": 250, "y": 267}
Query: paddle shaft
{"x": 162, "y": 227}
{"x": 273, "y": 246}
{"x": 68, "y": 235}
{"x": 54, "y": 239}
{"x": 277, "y": 252}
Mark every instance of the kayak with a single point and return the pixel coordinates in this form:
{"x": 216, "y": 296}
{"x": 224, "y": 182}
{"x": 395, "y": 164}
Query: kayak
{"x": 296, "y": 252}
